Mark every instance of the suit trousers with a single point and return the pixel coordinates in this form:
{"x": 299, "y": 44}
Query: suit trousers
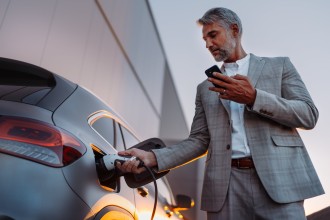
{"x": 247, "y": 200}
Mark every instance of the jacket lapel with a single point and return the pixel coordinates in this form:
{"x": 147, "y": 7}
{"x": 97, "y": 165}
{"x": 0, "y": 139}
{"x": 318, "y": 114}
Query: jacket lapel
{"x": 255, "y": 68}
{"x": 226, "y": 104}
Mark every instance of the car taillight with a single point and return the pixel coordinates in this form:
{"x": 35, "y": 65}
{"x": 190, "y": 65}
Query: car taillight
{"x": 38, "y": 141}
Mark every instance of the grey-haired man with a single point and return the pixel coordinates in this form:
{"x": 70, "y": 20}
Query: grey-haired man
{"x": 257, "y": 166}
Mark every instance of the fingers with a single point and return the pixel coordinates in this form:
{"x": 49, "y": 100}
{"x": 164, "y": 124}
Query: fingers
{"x": 221, "y": 80}
{"x": 148, "y": 157}
{"x": 130, "y": 167}
{"x": 132, "y": 152}
{"x": 239, "y": 77}
{"x": 223, "y": 93}
{"x": 126, "y": 153}
{"x": 222, "y": 77}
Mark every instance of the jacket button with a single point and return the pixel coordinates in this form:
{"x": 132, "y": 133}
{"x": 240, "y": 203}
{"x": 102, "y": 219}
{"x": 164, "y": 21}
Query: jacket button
{"x": 228, "y": 146}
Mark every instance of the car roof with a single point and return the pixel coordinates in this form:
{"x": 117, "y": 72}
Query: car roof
{"x": 30, "y": 84}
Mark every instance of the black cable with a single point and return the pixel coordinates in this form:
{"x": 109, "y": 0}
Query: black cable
{"x": 156, "y": 191}
{"x": 100, "y": 163}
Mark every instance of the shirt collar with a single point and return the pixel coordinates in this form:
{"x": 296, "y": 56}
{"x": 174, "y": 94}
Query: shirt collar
{"x": 238, "y": 63}
{"x": 240, "y": 66}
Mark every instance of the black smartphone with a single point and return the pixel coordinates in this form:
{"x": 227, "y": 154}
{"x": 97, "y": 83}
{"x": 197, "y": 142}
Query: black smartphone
{"x": 209, "y": 73}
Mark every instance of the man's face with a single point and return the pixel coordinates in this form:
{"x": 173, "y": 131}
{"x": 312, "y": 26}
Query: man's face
{"x": 219, "y": 41}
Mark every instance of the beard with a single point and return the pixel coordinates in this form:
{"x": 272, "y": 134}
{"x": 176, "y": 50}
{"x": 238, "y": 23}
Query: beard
{"x": 225, "y": 51}
{"x": 222, "y": 55}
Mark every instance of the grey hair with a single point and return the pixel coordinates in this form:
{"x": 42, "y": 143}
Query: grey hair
{"x": 223, "y": 16}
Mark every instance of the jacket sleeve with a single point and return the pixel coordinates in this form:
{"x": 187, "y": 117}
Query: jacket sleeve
{"x": 293, "y": 107}
{"x": 191, "y": 148}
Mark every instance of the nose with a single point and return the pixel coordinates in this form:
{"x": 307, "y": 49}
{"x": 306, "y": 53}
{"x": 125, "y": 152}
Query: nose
{"x": 208, "y": 43}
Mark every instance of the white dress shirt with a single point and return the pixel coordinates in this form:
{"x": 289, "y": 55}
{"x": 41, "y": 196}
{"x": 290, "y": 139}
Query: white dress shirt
{"x": 240, "y": 147}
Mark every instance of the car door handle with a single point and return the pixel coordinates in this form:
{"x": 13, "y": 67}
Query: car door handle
{"x": 143, "y": 191}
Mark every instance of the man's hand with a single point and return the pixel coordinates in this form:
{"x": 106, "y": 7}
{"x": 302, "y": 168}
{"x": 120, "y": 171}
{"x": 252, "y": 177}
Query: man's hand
{"x": 237, "y": 88}
{"x": 148, "y": 158}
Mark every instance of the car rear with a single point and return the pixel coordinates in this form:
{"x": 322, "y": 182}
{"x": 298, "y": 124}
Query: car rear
{"x": 32, "y": 149}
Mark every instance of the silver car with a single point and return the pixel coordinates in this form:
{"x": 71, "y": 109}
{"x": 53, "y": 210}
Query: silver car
{"x": 53, "y": 134}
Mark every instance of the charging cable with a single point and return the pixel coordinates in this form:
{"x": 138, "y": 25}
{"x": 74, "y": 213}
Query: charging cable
{"x": 156, "y": 189}
{"x": 108, "y": 163}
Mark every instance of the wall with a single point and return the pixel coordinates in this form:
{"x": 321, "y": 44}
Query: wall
{"x": 112, "y": 48}
{"x": 117, "y": 55}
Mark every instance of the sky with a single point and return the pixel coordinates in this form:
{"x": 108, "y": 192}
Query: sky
{"x": 298, "y": 29}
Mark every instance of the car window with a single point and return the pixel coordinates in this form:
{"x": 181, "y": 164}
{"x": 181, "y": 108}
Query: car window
{"x": 129, "y": 138}
{"x": 105, "y": 127}
{"x": 119, "y": 138}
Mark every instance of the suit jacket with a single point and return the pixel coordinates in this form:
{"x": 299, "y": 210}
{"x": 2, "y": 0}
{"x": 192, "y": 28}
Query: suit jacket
{"x": 282, "y": 104}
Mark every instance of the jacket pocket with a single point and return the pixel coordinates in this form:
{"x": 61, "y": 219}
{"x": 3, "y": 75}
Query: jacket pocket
{"x": 287, "y": 141}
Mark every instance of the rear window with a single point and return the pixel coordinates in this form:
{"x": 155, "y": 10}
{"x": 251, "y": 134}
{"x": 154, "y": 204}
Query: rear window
{"x": 24, "y": 82}
{"x": 30, "y": 95}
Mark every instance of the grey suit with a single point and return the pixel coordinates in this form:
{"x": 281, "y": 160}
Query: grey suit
{"x": 282, "y": 104}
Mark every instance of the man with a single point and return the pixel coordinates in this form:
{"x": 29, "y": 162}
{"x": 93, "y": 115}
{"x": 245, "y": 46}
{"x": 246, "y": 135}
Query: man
{"x": 257, "y": 166}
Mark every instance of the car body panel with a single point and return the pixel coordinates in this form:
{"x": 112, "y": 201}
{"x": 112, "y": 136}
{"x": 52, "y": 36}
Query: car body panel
{"x": 30, "y": 190}
{"x": 25, "y": 194}
{"x": 78, "y": 111}
{"x": 82, "y": 178}
{"x": 24, "y": 110}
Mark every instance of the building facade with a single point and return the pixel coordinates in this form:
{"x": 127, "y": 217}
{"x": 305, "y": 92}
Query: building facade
{"x": 112, "y": 48}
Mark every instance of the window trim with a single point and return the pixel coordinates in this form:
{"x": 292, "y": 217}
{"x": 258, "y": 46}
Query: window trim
{"x": 103, "y": 113}
{"x": 96, "y": 117}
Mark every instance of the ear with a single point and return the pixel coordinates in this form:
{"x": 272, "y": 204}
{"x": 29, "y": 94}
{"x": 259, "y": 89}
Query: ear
{"x": 235, "y": 30}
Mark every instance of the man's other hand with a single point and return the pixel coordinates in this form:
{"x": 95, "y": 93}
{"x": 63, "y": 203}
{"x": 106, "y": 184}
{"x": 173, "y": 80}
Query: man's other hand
{"x": 237, "y": 88}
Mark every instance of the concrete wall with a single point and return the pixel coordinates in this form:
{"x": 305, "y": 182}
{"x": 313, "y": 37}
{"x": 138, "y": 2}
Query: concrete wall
{"x": 110, "y": 47}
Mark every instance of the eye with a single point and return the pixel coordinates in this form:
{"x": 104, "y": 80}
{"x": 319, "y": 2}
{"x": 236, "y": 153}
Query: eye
{"x": 212, "y": 35}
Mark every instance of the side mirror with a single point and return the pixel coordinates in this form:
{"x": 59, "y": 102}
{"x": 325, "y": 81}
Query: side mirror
{"x": 138, "y": 180}
{"x": 183, "y": 203}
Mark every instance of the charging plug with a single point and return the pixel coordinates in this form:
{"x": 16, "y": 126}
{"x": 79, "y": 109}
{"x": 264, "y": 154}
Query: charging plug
{"x": 110, "y": 160}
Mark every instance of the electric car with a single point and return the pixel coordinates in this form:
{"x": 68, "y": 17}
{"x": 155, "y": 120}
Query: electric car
{"x": 53, "y": 135}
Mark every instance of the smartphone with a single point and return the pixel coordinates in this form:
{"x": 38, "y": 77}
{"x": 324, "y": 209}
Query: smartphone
{"x": 209, "y": 73}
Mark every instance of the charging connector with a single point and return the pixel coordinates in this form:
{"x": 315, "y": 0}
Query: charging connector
{"x": 110, "y": 160}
